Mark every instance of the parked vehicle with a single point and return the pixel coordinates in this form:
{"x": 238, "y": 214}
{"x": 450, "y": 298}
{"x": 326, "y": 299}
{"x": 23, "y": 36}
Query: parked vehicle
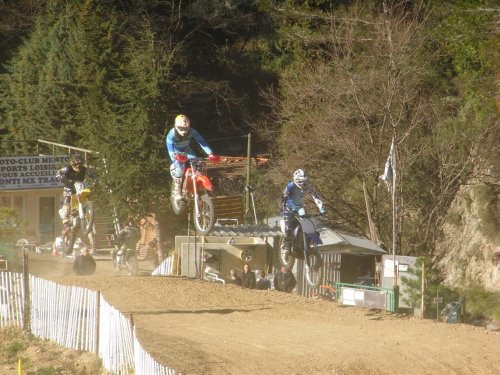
{"x": 124, "y": 255}
{"x": 196, "y": 187}
{"x": 304, "y": 245}
{"x": 81, "y": 217}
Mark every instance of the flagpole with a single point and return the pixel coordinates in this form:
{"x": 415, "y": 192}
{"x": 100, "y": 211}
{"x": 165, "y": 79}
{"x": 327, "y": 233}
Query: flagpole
{"x": 394, "y": 210}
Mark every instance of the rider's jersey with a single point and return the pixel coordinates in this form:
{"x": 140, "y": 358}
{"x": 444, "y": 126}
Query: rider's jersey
{"x": 293, "y": 197}
{"x": 176, "y": 143}
{"x": 68, "y": 176}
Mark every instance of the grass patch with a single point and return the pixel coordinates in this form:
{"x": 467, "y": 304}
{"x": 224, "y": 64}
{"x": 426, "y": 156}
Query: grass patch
{"x": 481, "y": 303}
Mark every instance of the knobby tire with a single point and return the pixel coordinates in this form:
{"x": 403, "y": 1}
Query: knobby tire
{"x": 204, "y": 220}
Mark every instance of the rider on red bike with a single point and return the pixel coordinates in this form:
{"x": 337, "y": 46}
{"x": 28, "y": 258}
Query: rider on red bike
{"x": 178, "y": 142}
{"x": 292, "y": 201}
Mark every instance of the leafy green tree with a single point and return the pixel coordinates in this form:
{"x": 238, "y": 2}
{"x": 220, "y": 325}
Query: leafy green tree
{"x": 10, "y": 224}
{"x": 433, "y": 288}
{"x": 355, "y": 76}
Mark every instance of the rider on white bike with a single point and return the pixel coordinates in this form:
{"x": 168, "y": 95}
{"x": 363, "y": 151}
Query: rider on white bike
{"x": 75, "y": 171}
{"x": 292, "y": 202}
{"x": 178, "y": 141}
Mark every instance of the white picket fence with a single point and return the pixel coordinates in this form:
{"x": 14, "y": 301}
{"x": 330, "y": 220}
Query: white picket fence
{"x": 76, "y": 318}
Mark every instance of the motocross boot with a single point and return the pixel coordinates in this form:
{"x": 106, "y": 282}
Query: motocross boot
{"x": 177, "y": 193}
{"x": 66, "y": 221}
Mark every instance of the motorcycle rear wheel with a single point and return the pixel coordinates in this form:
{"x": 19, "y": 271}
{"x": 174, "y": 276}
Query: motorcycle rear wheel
{"x": 132, "y": 265}
{"x": 314, "y": 273}
{"x": 204, "y": 219}
{"x": 288, "y": 260}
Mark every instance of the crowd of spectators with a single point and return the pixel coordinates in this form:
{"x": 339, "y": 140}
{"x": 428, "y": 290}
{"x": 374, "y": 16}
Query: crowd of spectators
{"x": 283, "y": 280}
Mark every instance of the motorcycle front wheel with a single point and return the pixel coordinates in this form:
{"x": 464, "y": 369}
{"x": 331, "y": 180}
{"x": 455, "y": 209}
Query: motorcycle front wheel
{"x": 132, "y": 265}
{"x": 69, "y": 240}
{"x": 286, "y": 259}
{"x": 204, "y": 219}
{"x": 314, "y": 273}
{"x": 87, "y": 222}
{"x": 117, "y": 260}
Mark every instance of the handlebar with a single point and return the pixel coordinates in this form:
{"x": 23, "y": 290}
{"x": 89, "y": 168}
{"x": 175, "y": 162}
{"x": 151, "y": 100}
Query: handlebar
{"x": 183, "y": 158}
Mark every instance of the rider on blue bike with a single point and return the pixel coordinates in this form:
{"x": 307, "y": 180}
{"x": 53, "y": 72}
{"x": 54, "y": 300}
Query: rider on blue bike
{"x": 178, "y": 142}
{"x": 292, "y": 202}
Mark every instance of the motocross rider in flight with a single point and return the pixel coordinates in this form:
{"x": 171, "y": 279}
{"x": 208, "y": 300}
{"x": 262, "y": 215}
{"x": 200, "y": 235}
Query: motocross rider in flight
{"x": 74, "y": 172}
{"x": 178, "y": 141}
{"x": 292, "y": 201}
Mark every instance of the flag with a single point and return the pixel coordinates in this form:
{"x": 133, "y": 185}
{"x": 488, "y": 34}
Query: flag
{"x": 389, "y": 168}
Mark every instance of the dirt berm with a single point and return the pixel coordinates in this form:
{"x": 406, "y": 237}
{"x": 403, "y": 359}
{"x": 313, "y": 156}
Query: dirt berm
{"x": 203, "y": 328}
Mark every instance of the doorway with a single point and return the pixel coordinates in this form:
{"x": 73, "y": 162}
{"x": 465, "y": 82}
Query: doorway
{"x": 46, "y": 223}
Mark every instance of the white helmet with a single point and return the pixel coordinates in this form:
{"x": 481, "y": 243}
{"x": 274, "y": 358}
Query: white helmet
{"x": 299, "y": 178}
{"x": 182, "y": 125}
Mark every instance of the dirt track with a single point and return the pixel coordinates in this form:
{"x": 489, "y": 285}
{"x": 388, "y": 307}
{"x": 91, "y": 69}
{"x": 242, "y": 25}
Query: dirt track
{"x": 202, "y": 328}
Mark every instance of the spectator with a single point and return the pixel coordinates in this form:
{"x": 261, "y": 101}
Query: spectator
{"x": 234, "y": 278}
{"x": 84, "y": 263}
{"x": 247, "y": 278}
{"x": 284, "y": 280}
{"x": 263, "y": 283}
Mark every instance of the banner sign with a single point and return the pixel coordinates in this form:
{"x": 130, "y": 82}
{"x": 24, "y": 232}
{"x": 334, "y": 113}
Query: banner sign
{"x": 30, "y": 172}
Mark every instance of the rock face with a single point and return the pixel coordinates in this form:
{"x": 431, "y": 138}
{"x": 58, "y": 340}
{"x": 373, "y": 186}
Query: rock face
{"x": 469, "y": 247}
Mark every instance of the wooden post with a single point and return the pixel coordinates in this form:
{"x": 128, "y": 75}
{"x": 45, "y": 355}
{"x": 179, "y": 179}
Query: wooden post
{"x": 131, "y": 318}
{"x": 249, "y": 164}
{"x": 26, "y": 286}
{"x": 422, "y": 292}
{"x": 394, "y": 211}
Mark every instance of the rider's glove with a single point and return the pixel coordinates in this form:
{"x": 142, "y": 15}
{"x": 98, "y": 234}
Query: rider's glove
{"x": 322, "y": 211}
{"x": 181, "y": 158}
{"x": 213, "y": 158}
{"x": 301, "y": 212}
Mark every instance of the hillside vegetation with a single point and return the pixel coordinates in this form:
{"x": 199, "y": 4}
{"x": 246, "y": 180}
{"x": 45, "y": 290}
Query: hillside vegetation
{"x": 321, "y": 85}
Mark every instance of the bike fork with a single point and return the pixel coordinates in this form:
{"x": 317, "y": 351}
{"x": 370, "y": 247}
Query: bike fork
{"x": 195, "y": 191}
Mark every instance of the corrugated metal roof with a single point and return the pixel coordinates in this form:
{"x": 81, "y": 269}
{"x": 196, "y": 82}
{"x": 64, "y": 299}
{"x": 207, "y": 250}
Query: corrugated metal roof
{"x": 336, "y": 242}
{"x": 245, "y": 230}
{"x": 341, "y": 243}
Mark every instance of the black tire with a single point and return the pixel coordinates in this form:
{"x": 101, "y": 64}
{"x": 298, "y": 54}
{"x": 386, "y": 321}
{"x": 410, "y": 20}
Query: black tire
{"x": 116, "y": 262}
{"x": 87, "y": 223}
{"x": 179, "y": 206}
{"x": 314, "y": 274}
{"x": 205, "y": 220}
{"x": 288, "y": 260}
{"x": 132, "y": 265}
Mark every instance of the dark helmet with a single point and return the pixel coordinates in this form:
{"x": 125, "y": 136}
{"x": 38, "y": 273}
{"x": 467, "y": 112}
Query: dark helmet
{"x": 76, "y": 162}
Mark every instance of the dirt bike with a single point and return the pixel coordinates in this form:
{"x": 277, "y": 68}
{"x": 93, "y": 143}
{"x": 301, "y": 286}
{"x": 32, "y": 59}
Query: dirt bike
{"x": 123, "y": 256}
{"x": 81, "y": 217}
{"x": 196, "y": 186}
{"x": 304, "y": 245}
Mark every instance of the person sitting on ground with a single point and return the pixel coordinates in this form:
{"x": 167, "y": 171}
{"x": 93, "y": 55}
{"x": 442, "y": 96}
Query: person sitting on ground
{"x": 284, "y": 280}
{"x": 84, "y": 263}
{"x": 234, "y": 278}
{"x": 247, "y": 278}
{"x": 263, "y": 283}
